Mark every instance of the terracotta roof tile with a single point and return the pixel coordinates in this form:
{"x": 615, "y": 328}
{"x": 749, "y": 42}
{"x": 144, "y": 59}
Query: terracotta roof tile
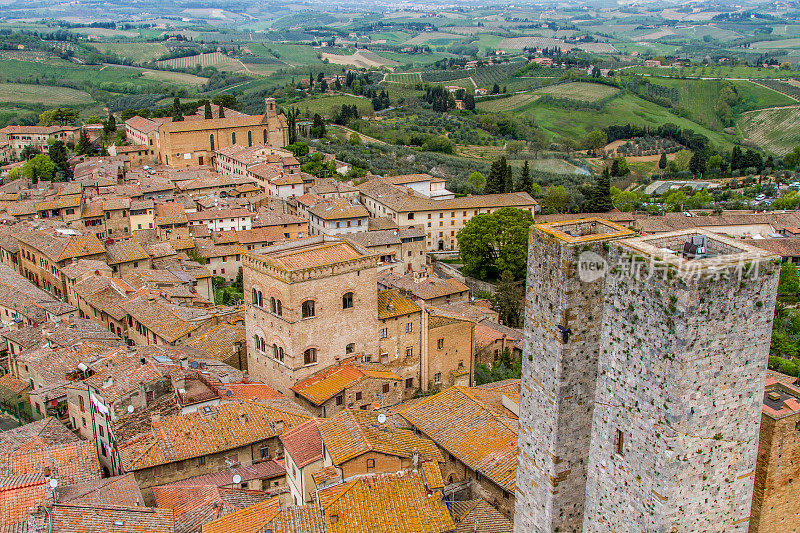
{"x": 391, "y": 304}
{"x": 467, "y": 424}
{"x": 467, "y": 514}
{"x": 354, "y": 432}
{"x": 327, "y": 383}
{"x": 185, "y": 436}
{"x": 304, "y": 443}
{"x": 248, "y": 520}
{"x": 224, "y": 478}
{"x": 385, "y": 502}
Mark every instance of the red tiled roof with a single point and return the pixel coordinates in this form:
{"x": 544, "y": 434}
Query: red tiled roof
{"x": 304, "y": 443}
{"x": 261, "y": 470}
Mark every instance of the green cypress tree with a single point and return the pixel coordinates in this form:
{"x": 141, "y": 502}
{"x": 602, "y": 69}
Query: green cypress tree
{"x": 525, "y": 179}
{"x": 207, "y": 110}
{"x": 177, "y": 115}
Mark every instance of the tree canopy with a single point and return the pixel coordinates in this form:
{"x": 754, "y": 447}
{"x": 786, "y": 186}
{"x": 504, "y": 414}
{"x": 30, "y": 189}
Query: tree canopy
{"x": 496, "y": 242}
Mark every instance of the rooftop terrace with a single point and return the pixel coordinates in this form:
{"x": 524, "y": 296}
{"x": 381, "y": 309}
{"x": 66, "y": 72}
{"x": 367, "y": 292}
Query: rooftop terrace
{"x": 584, "y": 230}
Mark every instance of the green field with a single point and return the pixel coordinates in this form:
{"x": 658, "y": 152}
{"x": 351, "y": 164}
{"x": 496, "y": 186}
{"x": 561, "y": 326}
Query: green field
{"x": 174, "y": 77}
{"x": 21, "y": 93}
{"x": 137, "y": 52}
{"x": 581, "y": 91}
{"x": 515, "y": 101}
{"x": 698, "y": 98}
{"x": 626, "y": 109}
{"x": 775, "y": 130}
{"x": 292, "y": 54}
{"x": 403, "y": 78}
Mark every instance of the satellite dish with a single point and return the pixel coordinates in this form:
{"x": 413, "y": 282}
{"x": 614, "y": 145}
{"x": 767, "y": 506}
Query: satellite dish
{"x": 53, "y": 483}
{"x": 237, "y": 478}
{"x": 130, "y": 408}
{"x": 382, "y": 418}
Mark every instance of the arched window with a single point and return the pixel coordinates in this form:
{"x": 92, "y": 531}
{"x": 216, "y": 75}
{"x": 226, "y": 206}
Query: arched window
{"x": 310, "y": 356}
{"x": 347, "y": 300}
{"x": 249, "y": 138}
{"x": 350, "y": 348}
{"x": 233, "y": 137}
{"x": 280, "y": 354}
{"x": 308, "y": 309}
{"x": 272, "y": 306}
{"x": 212, "y": 142}
{"x": 265, "y": 135}
{"x": 255, "y": 297}
{"x": 278, "y": 308}
{"x": 274, "y": 351}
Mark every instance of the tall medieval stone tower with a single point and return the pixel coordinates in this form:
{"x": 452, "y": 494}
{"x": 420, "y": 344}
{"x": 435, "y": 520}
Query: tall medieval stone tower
{"x": 561, "y": 345}
{"x": 661, "y": 361}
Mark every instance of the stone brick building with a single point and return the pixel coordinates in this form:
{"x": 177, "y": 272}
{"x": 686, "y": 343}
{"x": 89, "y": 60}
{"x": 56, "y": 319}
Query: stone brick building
{"x": 191, "y": 143}
{"x": 776, "y": 495}
{"x": 559, "y": 378}
{"x": 644, "y": 361}
{"x": 18, "y": 137}
{"x": 476, "y": 429}
{"x": 309, "y": 303}
{"x": 350, "y": 384}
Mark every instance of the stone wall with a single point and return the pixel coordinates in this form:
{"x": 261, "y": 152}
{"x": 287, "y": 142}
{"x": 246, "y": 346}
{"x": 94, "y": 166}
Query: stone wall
{"x": 776, "y": 496}
{"x": 679, "y": 394}
{"x": 558, "y": 383}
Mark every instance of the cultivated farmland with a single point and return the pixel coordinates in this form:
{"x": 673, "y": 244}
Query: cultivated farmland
{"x": 403, "y": 78}
{"x": 22, "y": 93}
{"x": 776, "y": 130}
{"x": 211, "y": 59}
{"x": 507, "y": 104}
{"x": 137, "y": 52}
{"x": 584, "y": 92}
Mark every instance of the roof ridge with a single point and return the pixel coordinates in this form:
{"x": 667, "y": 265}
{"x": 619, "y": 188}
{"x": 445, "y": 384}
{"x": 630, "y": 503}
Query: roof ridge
{"x": 360, "y": 429}
{"x": 352, "y": 483}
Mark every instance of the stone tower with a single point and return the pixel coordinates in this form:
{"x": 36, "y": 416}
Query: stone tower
{"x": 686, "y": 331}
{"x": 561, "y": 345}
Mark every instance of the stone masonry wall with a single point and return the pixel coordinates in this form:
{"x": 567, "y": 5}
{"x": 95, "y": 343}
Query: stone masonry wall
{"x": 776, "y": 496}
{"x": 680, "y": 383}
{"x": 558, "y": 384}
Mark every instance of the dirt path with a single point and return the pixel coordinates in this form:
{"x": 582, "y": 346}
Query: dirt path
{"x": 364, "y": 138}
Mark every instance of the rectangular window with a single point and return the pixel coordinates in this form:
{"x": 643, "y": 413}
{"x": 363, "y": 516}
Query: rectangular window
{"x": 440, "y": 343}
{"x": 370, "y": 463}
{"x": 409, "y": 383}
{"x": 339, "y": 400}
{"x": 409, "y": 352}
{"x": 384, "y": 333}
{"x": 385, "y": 388}
{"x": 409, "y": 327}
{"x": 437, "y": 378}
{"x": 201, "y": 460}
{"x": 618, "y": 442}
{"x": 358, "y": 395}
